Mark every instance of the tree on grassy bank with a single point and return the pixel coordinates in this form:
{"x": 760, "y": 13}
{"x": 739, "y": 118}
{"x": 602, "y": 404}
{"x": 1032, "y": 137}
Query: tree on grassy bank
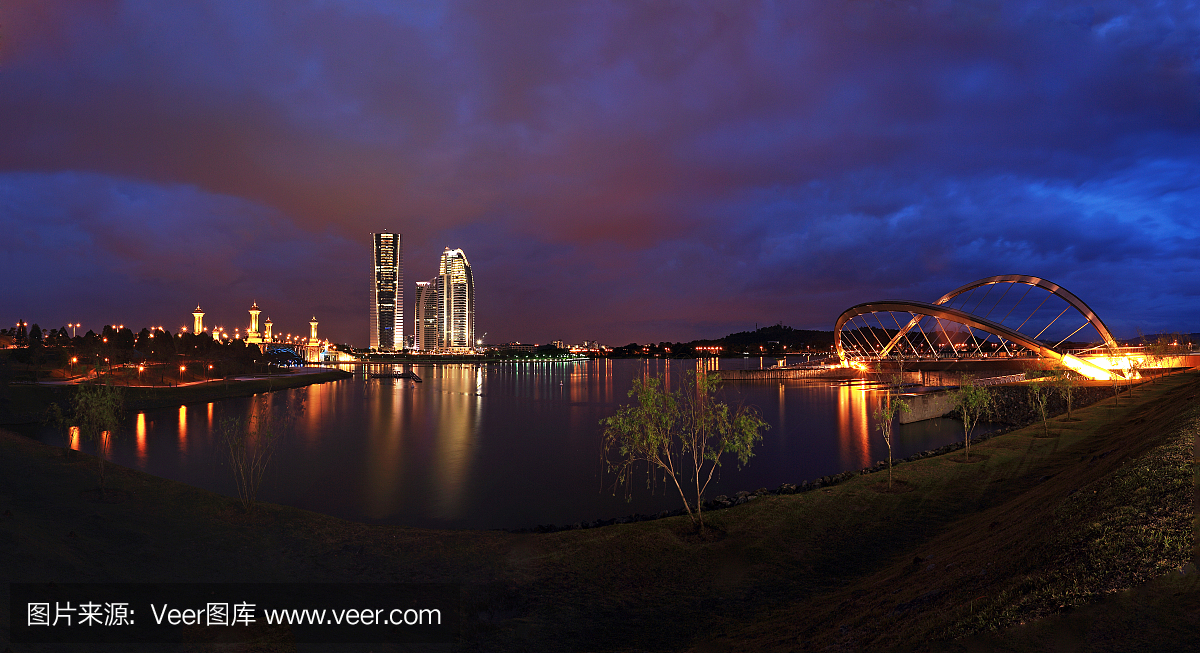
{"x": 973, "y": 403}
{"x": 886, "y": 415}
{"x": 1039, "y": 396}
{"x": 680, "y": 433}
{"x": 251, "y": 442}
{"x": 1066, "y": 383}
{"x": 95, "y": 414}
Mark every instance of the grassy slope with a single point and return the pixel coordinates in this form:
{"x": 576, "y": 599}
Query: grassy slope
{"x": 1036, "y": 525}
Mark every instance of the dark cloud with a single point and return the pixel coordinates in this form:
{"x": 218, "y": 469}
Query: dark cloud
{"x": 620, "y": 171}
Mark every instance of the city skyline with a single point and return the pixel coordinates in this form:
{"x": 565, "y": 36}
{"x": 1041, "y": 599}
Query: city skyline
{"x": 626, "y": 173}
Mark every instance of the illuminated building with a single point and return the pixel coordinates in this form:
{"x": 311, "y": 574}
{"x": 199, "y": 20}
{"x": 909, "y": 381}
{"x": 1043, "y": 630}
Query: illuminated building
{"x": 425, "y": 325}
{"x": 387, "y": 293}
{"x": 198, "y": 324}
{"x": 252, "y": 334}
{"x": 455, "y": 287}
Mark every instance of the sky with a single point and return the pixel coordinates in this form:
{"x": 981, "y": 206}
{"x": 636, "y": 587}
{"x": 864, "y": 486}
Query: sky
{"x": 614, "y": 171}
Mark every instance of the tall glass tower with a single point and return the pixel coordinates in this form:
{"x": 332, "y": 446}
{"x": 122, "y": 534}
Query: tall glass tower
{"x": 425, "y": 327}
{"x": 387, "y": 293}
{"x": 456, "y": 292}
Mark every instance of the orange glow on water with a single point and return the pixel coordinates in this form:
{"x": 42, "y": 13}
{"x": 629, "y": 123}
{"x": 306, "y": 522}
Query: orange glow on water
{"x": 854, "y": 430}
{"x": 183, "y": 428}
{"x": 73, "y": 437}
{"x": 141, "y": 439}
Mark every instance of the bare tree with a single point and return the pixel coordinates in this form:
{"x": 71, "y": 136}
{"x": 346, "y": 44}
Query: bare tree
{"x": 1066, "y": 383}
{"x": 251, "y": 443}
{"x": 885, "y": 416}
{"x": 1039, "y": 396}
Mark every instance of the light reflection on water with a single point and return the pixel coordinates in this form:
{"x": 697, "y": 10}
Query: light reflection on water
{"x": 501, "y": 445}
{"x": 141, "y": 439}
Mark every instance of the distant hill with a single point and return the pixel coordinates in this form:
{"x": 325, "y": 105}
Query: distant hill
{"x": 775, "y": 337}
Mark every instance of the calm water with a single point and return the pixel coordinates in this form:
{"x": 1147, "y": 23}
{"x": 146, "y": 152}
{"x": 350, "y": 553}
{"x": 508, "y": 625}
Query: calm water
{"x": 500, "y": 445}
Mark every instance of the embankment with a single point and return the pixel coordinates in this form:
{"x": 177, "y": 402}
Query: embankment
{"x": 1012, "y": 404}
{"x": 24, "y": 404}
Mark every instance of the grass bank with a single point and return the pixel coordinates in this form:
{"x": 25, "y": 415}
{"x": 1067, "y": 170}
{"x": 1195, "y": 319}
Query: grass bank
{"x": 28, "y": 402}
{"x": 1027, "y": 531}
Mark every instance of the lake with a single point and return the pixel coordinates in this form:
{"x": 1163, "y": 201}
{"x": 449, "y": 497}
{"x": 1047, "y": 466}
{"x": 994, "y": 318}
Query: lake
{"x": 501, "y": 445}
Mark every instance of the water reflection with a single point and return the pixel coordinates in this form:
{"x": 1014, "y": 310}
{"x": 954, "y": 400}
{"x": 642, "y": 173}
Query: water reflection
{"x": 456, "y": 429}
{"x": 503, "y": 445}
{"x": 854, "y": 427}
{"x": 183, "y": 429}
{"x": 141, "y": 439}
{"x": 385, "y": 468}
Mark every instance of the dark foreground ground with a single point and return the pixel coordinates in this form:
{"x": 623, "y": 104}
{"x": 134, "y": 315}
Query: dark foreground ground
{"x": 1066, "y": 541}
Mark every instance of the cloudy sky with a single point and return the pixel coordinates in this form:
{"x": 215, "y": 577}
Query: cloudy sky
{"x": 622, "y": 171}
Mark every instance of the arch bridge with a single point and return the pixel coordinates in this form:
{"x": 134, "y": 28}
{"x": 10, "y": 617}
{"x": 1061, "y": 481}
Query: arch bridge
{"x": 997, "y": 325}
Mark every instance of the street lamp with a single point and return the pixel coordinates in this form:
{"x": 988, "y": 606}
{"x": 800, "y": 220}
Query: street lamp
{"x": 181, "y": 369}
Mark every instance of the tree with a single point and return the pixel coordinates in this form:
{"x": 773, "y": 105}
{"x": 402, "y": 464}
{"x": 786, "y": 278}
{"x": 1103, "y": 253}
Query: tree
{"x": 1163, "y": 348}
{"x": 679, "y": 433}
{"x": 973, "y": 403}
{"x": 251, "y": 443}
{"x": 1136, "y": 365}
{"x": 1066, "y": 384}
{"x": 1039, "y": 396}
{"x": 36, "y": 345}
{"x": 885, "y": 416}
{"x": 96, "y": 411}
{"x": 1115, "y": 379}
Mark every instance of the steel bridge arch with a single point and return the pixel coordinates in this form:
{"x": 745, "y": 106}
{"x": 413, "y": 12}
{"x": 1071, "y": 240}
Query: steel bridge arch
{"x": 1077, "y": 303}
{"x": 922, "y": 309}
{"x": 1055, "y": 289}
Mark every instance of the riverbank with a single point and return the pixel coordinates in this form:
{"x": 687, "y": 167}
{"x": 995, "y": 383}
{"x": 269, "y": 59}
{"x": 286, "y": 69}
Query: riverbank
{"x": 1030, "y": 527}
{"x": 28, "y": 403}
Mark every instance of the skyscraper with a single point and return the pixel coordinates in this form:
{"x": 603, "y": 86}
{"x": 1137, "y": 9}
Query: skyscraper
{"x": 387, "y": 293}
{"x": 425, "y": 327}
{"x": 456, "y": 291}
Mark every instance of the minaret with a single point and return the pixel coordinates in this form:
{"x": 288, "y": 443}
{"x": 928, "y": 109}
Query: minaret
{"x": 312, "y": 332}
{"x": 198, "y": 324}
{"x": 252, "y": 334}
{"x": 267, "y": 334}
